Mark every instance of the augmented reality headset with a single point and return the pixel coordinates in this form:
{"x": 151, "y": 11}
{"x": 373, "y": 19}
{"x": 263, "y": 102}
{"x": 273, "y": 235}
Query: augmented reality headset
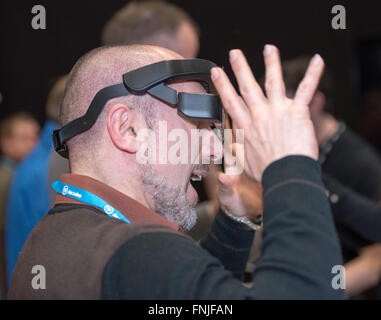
{"x": 152, "y": 79}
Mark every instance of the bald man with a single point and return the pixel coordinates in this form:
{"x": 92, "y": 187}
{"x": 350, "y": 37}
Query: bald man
{"x": 134, "y": 246}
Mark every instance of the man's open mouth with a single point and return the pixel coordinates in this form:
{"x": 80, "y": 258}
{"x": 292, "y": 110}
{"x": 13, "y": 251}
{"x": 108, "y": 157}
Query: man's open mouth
{"x": 196, "y": 177}
{"x": 199, "y": 173}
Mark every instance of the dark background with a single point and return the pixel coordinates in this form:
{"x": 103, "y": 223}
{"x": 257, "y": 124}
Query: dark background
{"x": 30, "y": 60}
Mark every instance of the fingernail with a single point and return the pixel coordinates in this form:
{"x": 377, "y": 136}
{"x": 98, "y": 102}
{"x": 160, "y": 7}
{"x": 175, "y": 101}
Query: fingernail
{"x": 214, "y": 73}
{"x": 316, "y": 59}
{"x": 233, "y": 55}
{"x": 267, "y": 50}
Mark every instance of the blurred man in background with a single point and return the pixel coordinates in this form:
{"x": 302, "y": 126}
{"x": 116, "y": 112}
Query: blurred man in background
{"x": 28, "y": 198}
{"x": 343, "y": 154}
{"x": 155, "y": 23}
{"x": 18, "y": 136}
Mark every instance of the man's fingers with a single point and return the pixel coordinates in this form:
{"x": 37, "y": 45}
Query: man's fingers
{"x": 229, "y": 97}
{"x": 310, "y": 82}
{"x": 234, "y": 159}
{"x": 274, "y": 84}
{"x": 248, "y": 86}
{"x": 225, "y": 185}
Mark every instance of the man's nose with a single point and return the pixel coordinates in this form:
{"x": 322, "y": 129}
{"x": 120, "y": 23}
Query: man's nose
{"x": 212, "y": 149}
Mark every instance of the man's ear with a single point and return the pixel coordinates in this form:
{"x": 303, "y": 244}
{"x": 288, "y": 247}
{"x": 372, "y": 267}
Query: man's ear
{"x": 122, "y": 125}
{"x": 317, "y": 104}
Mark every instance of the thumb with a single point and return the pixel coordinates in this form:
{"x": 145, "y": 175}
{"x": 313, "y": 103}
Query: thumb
{"x": 234, "y": 159}
{"x": 225, "y": 184}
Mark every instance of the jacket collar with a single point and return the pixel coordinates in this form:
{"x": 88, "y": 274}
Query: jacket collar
{"x": 130, "y": 208}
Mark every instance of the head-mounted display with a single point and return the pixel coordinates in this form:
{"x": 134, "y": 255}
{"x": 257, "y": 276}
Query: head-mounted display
{"x": 151, "y": 79}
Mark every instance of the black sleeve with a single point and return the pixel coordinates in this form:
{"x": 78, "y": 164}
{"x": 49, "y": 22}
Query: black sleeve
{"x": 354, "y": 211}
{"x": 299, "y": 249}
{"x": 230, "y": 242}
{"x": 356, "y": 164}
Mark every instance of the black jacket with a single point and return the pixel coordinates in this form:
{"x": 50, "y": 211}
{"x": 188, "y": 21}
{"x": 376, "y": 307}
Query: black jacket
{"x": 300, "y": 248}
{"x": 88, "y": 255}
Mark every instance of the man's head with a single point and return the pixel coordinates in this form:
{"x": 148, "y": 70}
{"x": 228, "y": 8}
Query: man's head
{"x": 53, "y": 102}
{"x": 293, "y": 73}
{"x": 155, "y": 23}
{"x": 18, "y": 135}
{"x": 110, "y": 150}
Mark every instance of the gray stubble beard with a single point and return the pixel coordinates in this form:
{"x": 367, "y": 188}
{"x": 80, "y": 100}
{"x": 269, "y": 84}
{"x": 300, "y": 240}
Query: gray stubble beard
{"x": 170, "y": 202}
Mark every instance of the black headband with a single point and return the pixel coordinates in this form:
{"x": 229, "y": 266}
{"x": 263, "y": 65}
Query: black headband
{"x": 151, "y": 79}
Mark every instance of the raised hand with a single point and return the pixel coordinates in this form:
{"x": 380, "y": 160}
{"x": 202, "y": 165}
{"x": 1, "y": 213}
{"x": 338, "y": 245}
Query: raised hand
{"x": 274, "y": 126}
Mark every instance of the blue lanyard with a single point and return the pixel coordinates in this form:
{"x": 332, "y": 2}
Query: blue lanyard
{"x": 87, "y": 197}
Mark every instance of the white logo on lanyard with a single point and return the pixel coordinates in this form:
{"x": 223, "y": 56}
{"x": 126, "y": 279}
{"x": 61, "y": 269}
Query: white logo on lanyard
{"x": 108, "y": 209}
{"x": 65, "y": 190}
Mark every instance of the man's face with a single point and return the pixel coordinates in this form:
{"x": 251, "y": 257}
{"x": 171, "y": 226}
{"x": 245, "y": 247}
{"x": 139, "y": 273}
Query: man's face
{"x": 21, "y": 141}
{"x": 190, "y": 146}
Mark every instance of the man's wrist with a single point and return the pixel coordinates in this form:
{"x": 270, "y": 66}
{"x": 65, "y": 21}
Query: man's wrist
{"x": 243, "y": 220}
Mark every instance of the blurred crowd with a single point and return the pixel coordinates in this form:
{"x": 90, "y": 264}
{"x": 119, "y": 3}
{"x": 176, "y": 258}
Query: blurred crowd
{"x": 350, "y": 164}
